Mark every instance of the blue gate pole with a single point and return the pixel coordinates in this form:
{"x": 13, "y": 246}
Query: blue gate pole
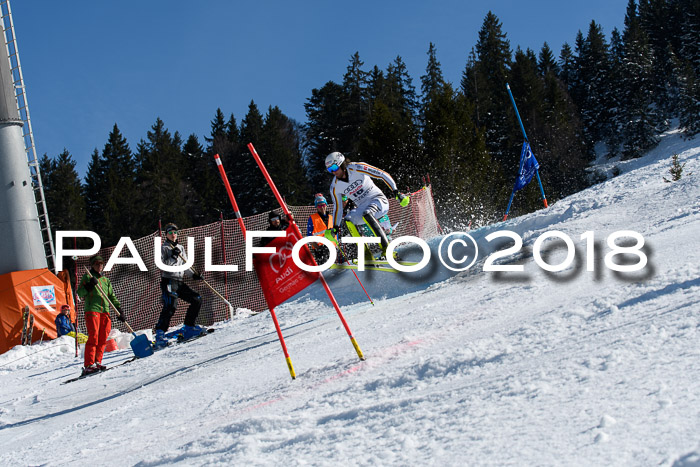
{"x": 517, "y": 114}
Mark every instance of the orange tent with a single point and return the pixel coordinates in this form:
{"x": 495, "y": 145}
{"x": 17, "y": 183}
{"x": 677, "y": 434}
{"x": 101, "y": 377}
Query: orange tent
{"x": 39, "y": 289}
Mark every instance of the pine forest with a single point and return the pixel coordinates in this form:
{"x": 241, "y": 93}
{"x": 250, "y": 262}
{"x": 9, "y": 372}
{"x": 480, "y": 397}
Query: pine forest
{"x": 601, "y": 95}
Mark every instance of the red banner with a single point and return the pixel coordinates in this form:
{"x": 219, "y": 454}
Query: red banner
{"x": 280, "y": 278}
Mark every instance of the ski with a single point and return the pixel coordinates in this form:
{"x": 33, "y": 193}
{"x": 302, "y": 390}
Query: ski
{"x": 373, "y": 265}
{"x": 25, "y": 322}
{"x": 99, "y": 372}
{"x": 179, "y": 340}
{"x": 368, "y": 267}
{"x": 30, "y": 329}
{"x": 385, "y": 263}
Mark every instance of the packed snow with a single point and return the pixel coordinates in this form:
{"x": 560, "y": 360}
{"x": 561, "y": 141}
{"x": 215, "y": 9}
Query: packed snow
{"x": 575, "y": 367}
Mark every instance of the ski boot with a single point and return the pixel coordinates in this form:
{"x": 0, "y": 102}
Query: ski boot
{"x": 160, "y": 341}
{"x": 188, "y": 332}
{"x": 88, "y": 370}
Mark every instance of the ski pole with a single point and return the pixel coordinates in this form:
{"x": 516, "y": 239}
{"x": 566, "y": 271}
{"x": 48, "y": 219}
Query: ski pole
{"x": 230, "y": 307}
{"x": 41, "y": 339}
{"x": 345, "y": 258}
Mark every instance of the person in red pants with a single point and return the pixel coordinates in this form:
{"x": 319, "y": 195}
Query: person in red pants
{"x": 96, "y": 290}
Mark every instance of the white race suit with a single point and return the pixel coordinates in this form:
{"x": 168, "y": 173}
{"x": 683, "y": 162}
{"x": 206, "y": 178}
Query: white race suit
{"x": 363, "y": 192}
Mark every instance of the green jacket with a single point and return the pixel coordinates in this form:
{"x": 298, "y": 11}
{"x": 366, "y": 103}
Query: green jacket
{"x": 94, "y": 300}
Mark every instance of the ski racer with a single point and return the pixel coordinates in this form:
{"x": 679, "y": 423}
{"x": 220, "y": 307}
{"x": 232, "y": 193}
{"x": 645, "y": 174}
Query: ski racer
{"x": 173, "y": 287}
{"x": 354, "y": 180}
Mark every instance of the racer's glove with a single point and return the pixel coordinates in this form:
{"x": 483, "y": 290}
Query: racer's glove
{"x": 197, "y": 276}
{"x": 175, "y": 253}
{"x": 404, "y": 200}
{"x": 332, "y": 234}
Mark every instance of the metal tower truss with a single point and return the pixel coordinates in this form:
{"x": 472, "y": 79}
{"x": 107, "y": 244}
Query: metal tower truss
{"x": 27, "y": 133}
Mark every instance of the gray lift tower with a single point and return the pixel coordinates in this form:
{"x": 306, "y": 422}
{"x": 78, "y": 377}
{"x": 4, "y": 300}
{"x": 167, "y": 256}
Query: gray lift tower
{"x": 25, "y": 234}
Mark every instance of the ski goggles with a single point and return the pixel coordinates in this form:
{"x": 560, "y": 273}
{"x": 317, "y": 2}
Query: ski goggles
{"x": 274, "y": 219}
{"x": 171, "y": 232}
{"x": 333, "y": 168}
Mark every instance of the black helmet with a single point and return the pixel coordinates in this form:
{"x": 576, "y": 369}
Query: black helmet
{"x": 169, "y": 227}
{"x": 273, "y": 215}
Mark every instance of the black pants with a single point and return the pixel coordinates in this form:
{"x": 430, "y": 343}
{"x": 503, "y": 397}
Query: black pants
{"x": 172, "y": 290}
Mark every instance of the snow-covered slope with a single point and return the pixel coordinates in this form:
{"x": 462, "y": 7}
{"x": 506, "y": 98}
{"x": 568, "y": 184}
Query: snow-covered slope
{"x": 574, "y": 367}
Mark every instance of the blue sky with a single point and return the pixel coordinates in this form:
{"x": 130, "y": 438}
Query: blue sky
{"x": 90, "y": 64}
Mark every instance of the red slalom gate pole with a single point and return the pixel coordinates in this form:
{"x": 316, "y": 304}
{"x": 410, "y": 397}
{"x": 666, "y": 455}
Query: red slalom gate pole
{"x": 237, "y": 212}
{"x": 223, "y": 251}
{"x": 323, "y": 279}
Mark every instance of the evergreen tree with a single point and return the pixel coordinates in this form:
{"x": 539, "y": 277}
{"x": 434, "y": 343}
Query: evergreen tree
{"x": 377, "y": 87}
{"x": 389, "y": 140}
{"x": 470, "y": 83}
{"x": 689, "y": 100}
{"x": 218, "y": 140}
{"x": 120, "y": 184}
{"x": 689, "y": 46}
{"x": 528, "y": 90}
{"x": 355, "y": 106}
{"x": 546, "y": 62}
{"x": 45, "y": 168}
{"x": 224, "y": 140}
{"x": 528, "y": 87}
{"x": 687, "y": 66}
{"x": 249, "y": 185}
{"x": 160, "y": 176}
{"x": 323, "y": 132}
{"x": 401, "y": 85}
{"x": 95, "y": 194}
{"x": 204, "y": 194}
{"x": 590, "y": 90}
{"x": 560, "y": 149}
{"x": 464, "y": 179}
{"x": 281, "y": 152}
{"x": 64, "y": 199}
{"x": 436, "y": 122}
{"x": 233, "y": 133}
{"x": 553, "y": 130}
{"x": 566, "y": 65}
{"x": 432, "y": 81}
{"x": 576, "y": 83}
{"x": 495, "y": 112}
{"x": 389, "y": 137}
{"x": 616, "y": 96}
{"x": 63, "y": 194}
{"x": 676, "y": 170}
{"x": 658, "y": 22}
{"x": 454, "y": 151}
{"x": 640, "y": 117}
